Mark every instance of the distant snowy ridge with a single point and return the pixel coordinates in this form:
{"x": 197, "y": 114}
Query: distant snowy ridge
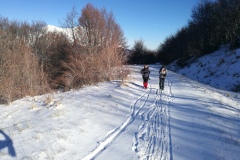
{"x": 66, "y": 31}
{"x": 51, "y": 28}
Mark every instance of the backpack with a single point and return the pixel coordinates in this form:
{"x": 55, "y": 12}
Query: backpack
{"x": 146, "y": 74}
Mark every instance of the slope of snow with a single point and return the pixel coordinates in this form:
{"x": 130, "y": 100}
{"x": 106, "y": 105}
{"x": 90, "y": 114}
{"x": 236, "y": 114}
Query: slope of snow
{"x": 123, "y": 121}
{"x": 220, "y": 69}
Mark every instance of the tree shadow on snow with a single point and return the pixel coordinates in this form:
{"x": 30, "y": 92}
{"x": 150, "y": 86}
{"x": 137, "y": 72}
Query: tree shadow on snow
{"x": 7, "y": 143}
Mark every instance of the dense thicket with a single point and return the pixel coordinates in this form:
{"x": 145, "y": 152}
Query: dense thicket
{"x": 20, "y": 71}
{"x": 34, "y": 61}
{"x": 141, "y": 55}
{"x": 213, "y": 23}
{"x": 96, "y": 54}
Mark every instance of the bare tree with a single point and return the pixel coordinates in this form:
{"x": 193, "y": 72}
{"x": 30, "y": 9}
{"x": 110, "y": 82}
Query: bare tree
{"x": 71, "y": 23}
{"x": 102, "y": 35}
{"x": 92, "y": 23}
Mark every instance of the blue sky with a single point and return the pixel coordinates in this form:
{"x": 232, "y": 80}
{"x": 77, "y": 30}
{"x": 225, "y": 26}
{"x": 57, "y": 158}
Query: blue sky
{"x": 148, "y": 20}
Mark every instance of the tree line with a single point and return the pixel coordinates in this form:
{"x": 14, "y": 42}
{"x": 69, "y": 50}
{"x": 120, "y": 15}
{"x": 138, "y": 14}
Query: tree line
{"x": 141, "y": 55}
{"x": 212, "y": 24}
{"x": 34, "y": 61}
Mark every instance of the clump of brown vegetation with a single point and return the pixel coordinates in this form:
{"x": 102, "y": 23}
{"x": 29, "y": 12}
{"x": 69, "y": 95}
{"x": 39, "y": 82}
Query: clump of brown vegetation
{"x": 34, "y": 61}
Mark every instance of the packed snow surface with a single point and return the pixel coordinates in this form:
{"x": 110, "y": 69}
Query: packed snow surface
{"x": 122, "y": 121}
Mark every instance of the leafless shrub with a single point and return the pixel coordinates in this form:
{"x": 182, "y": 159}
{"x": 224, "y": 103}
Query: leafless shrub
{"x": 56, "y": 52}
{"x": 20, "y": 74}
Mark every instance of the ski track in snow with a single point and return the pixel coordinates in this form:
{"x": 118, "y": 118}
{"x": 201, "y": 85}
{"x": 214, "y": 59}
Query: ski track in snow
{"x": 153, "y": 139}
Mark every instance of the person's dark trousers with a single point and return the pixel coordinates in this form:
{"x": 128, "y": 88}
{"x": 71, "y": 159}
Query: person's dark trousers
{"x": 161, "y": 83}
{"x": 145, "y": 82}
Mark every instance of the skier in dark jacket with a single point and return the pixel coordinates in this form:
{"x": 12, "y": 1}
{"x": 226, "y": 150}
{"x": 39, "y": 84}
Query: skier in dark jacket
{"x": 145, "y": 75}
{"x": 162, "y": 75}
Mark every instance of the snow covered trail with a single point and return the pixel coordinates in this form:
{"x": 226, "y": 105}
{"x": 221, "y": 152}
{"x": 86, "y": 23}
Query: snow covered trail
{"x": 188, "y": 120}
{"x": 123, "y": 121}
{"x": 113, "y": 134}
{"x": 152, "y": 140}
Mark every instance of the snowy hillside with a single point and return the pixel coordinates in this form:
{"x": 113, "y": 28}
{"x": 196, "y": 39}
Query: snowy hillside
{"x": 66, "y": 31}
{"x": 220, "y": 69}
{"x": 51, "y": 28}
{"x": 115, "y": 121}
